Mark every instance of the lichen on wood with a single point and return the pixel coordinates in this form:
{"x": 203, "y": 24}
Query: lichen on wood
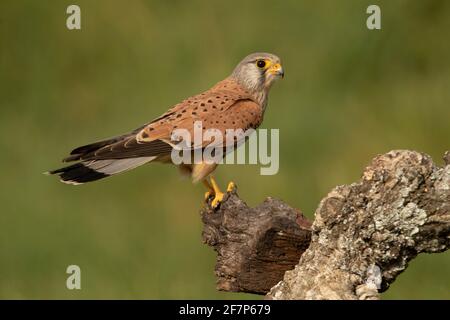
{"x": 362, "y": 238}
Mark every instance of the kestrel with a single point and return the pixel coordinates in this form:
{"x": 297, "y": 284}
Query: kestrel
{"x": 237, "y": 102}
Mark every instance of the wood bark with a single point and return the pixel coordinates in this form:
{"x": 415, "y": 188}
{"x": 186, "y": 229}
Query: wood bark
{"x": 361, "y": 239}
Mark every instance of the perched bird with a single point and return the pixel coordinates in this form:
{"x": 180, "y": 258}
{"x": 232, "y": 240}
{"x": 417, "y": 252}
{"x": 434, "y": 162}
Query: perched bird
{"x": 237, "y": 102}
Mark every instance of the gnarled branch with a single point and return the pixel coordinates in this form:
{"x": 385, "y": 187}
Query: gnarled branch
{"x": 362, "y": 238}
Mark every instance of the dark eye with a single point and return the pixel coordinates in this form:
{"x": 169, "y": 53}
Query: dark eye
{"x": 261, "y": 63}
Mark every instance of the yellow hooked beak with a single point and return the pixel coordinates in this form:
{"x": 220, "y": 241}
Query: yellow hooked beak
{"x": 276, "y": 70}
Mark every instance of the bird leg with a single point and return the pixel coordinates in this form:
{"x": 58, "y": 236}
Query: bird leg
{"x": 218, "y": 195}
{"x": 210, "y": 191}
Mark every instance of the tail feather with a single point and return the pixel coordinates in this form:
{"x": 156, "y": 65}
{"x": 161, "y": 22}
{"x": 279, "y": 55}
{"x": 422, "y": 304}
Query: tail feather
{"x": 77, "y": 153}
{"x": 87, "y": 171}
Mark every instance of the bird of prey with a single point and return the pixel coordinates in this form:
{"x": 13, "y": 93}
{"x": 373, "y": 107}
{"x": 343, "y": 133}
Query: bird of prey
{"x": 237, "y": 102}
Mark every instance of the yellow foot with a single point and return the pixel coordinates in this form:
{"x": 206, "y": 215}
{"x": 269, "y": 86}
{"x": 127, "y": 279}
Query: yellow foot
{"x": 218, "y": 197}
{"x": 231, "y": 186}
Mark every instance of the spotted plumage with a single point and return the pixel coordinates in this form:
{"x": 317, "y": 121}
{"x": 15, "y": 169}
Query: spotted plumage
{"x": 238, "y": 102}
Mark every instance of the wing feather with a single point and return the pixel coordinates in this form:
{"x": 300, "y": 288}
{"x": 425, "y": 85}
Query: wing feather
{"x": 225, "y": 106}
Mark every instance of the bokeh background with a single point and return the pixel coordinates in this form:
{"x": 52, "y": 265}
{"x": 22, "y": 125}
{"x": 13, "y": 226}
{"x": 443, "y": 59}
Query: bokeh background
{"x": 348, "y": 95}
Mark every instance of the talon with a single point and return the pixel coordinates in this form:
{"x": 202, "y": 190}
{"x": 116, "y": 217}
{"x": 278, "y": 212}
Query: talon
{"x": 231, "y": 186}
{"x": 214, "y": 190}
{"x": 217, "y": 199}
{"x": 208, "y": 194}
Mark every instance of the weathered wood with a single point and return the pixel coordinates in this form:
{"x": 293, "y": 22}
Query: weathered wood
{"x": 255, "y": 246}
{"x": 362, "y": 238}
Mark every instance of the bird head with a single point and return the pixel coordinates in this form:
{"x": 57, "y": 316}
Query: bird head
{"x": 258, "y": 71}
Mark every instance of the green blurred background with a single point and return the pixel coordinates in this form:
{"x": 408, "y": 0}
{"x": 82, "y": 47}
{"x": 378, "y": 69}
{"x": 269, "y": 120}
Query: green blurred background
{"x": 349, "y": 94}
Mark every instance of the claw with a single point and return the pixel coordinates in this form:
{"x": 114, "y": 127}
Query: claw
{"x": 231, "y": 186}
{"x": 214, "y": 190}
{"x": 208, "y": 194}
{"x": 217, "y": 199}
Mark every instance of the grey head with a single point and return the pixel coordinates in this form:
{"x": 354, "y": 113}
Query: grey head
{"x": 258, "y": 71}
